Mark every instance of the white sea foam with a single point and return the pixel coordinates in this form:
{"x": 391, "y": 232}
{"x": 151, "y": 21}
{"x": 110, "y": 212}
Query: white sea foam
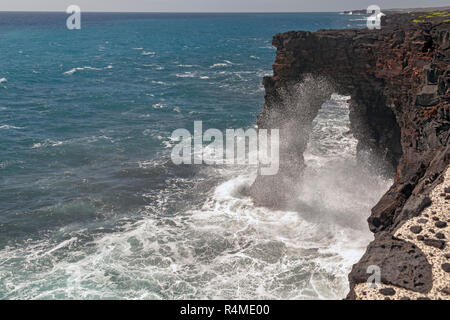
{"x": 159, "y": 82}
{"x": 225, "y": 248}
{"x": 156, "y": 66}
{"x": 186, "y": 75}
{"x": 159, "y": 106}
{"x": 216, "y": 65}
{"x": 56, "y": 143}
{"x": 66, "y": 243}
{"x": 47, "y": 143}
{"x": 73, "y": 70}
{"x": 3, "y": 80}
{"x": 270, "y": 47}
{"x": 6, "y": 127}
{"x": 264, "y": 73}
{"x": 148, "y": 53}
{"x": 226, "y": 63}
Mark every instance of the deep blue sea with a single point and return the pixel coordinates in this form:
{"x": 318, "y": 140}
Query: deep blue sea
{"x": 91, "y": 206}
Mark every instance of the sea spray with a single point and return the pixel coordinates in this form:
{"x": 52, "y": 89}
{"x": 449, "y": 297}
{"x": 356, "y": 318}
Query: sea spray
{"x": 226, "y": 248}
{"x": 291, "y": 107}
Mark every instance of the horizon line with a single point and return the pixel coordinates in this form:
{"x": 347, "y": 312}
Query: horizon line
{"x": 218, "y": 12}
{"x": 95, "y": 11}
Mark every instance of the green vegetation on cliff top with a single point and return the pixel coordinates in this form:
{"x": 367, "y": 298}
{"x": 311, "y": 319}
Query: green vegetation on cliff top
{"x": 431, "y": 16}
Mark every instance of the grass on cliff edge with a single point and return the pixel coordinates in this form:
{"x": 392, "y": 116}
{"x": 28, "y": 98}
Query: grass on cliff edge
{"x": 431, "y": 16}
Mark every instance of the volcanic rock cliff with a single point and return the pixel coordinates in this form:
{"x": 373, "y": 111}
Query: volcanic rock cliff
{"x": 398, "y": 78}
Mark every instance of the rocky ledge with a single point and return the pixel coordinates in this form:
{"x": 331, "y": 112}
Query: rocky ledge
{"x": 398, "y": 78}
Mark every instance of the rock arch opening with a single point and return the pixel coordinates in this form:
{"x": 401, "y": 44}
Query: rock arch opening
{"x": 292, "y": 107}
{"x": 375, "y": 127}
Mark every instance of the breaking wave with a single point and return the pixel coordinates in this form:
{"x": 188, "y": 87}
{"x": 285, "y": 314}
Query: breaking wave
{"x": 73, "y": 70}
{"x": 223, "y": 247}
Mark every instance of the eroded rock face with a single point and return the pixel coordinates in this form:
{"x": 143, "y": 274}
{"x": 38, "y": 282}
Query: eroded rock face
{"x": 399, "y": 82}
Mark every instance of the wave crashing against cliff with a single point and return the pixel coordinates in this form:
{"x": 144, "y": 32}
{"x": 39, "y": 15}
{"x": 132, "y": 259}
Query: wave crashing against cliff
{"x": 399, "y": 82}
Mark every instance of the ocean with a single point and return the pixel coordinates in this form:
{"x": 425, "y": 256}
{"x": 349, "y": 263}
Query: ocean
{"x": 91, "y": 205}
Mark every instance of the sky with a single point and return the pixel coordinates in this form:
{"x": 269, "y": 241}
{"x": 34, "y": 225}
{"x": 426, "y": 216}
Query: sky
{"x": 213, "y": 5}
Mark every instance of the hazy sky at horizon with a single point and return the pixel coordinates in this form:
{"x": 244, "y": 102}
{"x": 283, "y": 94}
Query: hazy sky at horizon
{"x": 212, "y": 5}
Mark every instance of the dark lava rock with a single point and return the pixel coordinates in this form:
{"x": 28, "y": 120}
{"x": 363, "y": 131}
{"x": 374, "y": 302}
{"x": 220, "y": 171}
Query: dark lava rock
{"x": 446, "y": 267}
{"x": 447, "y": 189}
{"x": 435, "y": 218}
{"x": 405, "y": 298}
{"x": 440, "y": 235}
{"x": 423, "y": 298}
{"x": 446, "y": 290}
{"x": 416, "y": 229}
{"x": 441, "y": 224}
{"x": 428, "y": 96}
{"x": 422, "y": 221}
{"x": 420, "y": 238}
{"x": 435, "y": 243}
{"x": 431, "y": 230}
{"x": 412, "y": 208}
{"x": 447, "y": 256}
{"x": 387, "y": 291}
{"x": 402, "y": 264}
